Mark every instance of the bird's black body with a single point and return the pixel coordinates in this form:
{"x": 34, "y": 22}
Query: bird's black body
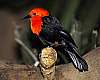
{"x": 52, "y": 32}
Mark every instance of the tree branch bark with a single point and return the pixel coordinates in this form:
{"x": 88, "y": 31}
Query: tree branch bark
{"x": 10, "y": 71}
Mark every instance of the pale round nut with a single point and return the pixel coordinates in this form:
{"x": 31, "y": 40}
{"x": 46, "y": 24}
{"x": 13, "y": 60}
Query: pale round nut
{"x": 48, "y": 57}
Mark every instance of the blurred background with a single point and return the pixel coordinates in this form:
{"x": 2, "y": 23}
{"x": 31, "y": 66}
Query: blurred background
{"x": 79, "y": 17}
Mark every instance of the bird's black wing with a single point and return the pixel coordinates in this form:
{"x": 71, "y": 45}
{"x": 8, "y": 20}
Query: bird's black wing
{"x": 72, "y": 51}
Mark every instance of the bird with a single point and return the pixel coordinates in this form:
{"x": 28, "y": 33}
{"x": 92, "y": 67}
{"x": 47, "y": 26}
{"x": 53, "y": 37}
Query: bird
{"x": 47, "y": 30}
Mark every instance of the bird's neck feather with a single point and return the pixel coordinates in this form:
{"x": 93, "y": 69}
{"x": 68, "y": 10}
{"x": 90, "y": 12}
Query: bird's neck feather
{"x": 36, "y": 24}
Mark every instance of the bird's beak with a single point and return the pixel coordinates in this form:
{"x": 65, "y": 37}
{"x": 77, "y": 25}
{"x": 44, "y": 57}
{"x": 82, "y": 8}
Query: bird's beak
{"x": 26, "y": 17}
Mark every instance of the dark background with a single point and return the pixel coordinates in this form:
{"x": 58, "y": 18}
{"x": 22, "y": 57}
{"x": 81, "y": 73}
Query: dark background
{"x": 79, "y": 17}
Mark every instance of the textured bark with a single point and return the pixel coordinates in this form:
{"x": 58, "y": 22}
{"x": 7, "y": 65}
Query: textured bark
{"x": 63, "y": 72}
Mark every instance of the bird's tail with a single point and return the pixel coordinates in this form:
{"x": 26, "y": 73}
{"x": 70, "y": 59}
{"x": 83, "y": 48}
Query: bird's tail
{"x": 77, "y": 60}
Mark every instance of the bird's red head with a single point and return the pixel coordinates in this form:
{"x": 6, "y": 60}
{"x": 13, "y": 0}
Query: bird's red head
{"x": 36, "y": 15}
{"x": 38, "y": 12}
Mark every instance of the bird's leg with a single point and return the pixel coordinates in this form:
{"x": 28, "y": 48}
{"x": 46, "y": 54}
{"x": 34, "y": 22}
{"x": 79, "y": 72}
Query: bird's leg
{"x": 55, "y": 44}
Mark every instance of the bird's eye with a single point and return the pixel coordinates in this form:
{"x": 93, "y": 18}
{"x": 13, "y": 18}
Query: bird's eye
{"x": 34, "y": 14}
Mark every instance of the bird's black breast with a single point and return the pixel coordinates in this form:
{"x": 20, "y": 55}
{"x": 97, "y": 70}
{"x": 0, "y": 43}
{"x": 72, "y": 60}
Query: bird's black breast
{"x": 51, "y": 26}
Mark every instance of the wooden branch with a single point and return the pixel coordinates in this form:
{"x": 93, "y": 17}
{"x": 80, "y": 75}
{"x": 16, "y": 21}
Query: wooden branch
{"x": 10, "y": 71}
